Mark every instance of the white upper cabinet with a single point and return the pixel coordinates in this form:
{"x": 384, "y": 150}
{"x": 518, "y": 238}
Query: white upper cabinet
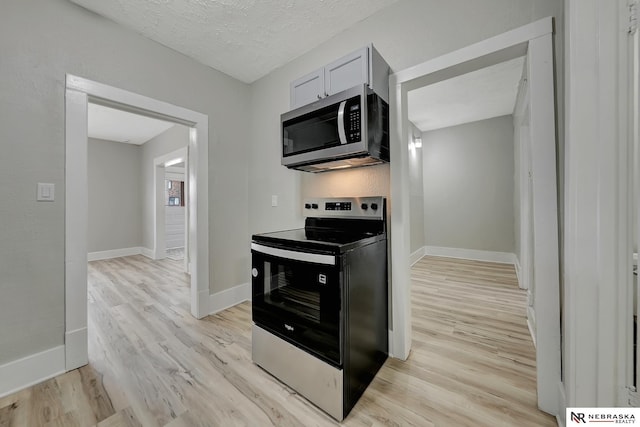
{"x": 307, "y": 89}
{"x": 364, "y": 66}
{"x": 347, "y": 72}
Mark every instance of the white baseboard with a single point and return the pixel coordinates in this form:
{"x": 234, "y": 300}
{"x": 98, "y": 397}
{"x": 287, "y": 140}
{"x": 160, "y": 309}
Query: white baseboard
{"x": 76, "y": 351}
{"x": 114, "y": 253}
{"x": 147, "y": 252}
{"x": 416, "y": 256}
{"x": 531, "y": 323}
{"x": 229, "y": 297}
{"x": 31, "y": 370}
{"x": 472, "y": 254}
{"x": 516, "y": 265}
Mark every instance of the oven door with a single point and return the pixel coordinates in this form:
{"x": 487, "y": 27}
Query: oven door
{"x": 297, "y": 296}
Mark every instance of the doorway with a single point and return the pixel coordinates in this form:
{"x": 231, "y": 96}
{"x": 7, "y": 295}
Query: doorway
{"x": 79, "y": 92}
{"x": 535, "y": 42}
{"x": 171, "y": 207}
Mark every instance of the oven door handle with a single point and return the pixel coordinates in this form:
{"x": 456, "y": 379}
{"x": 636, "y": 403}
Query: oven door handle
{"x": 294, "y": 255}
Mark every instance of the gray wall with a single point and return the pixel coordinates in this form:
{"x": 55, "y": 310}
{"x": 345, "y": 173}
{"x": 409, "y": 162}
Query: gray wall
{"x": 416, "y": 192}
{"x": 468, "y": 186}
{"x": 41, "y": 41}
{"x": 408, "y": 33}
{"x": 121, "y": 189}
{"x": 115, "y": 203}
{"x": 168, "y": 141}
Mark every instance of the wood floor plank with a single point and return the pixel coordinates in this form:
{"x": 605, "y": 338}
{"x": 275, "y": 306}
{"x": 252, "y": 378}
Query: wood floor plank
{"x": 123, "y": 418}
{"x": 151, "y": 363}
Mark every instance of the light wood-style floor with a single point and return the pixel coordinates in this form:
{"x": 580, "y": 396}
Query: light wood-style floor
{"x": 152, "y": 364}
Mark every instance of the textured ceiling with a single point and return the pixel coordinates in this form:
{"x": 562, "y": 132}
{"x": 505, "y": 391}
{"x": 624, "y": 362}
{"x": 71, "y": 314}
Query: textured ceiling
{"x": 246, "y": 39}
{"x": 121, "y": 126}
{"x": 483, "y": 94}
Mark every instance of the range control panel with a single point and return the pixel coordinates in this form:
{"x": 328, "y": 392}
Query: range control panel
{"x": 345, "y": 207}
{"x": 338, "y": 206}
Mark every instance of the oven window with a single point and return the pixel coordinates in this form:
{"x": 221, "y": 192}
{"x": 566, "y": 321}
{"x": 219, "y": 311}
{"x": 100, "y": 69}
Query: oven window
{"x": 294, "y": 291}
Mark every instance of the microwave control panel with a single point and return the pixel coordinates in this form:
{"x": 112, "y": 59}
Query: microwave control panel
{"x": 354, "y": 120}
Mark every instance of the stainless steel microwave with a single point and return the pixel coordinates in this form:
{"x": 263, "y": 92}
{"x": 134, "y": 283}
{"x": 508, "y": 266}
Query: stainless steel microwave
{"x": 348, "y": 129}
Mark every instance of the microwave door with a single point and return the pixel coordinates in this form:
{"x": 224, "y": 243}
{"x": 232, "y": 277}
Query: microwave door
{"x": 331, "y": 129}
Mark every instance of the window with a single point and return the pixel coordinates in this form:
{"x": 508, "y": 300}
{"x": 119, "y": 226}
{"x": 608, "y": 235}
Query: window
{"x": 174, "y": 194}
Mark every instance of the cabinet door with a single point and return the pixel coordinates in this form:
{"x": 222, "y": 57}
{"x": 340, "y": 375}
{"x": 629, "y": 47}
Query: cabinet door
{"x": 307, "y": 89}
{"x": 347, "y": 72}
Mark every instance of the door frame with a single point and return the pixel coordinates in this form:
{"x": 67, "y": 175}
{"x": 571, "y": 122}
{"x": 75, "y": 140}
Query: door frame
{"x": 598, "y": 236}
{"x": 535, "y": 41}
{"x": 521, "y": 118}
{"x": 78, "y": 92}
{"x": 523, "y": 140}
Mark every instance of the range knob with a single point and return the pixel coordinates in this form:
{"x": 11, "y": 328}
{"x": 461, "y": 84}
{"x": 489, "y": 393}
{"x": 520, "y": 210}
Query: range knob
{"x": 307, "y": 205}
{"x": 314, "y": 206}
{"x": 364, "y": 206}
{"x": 374, "y": 206}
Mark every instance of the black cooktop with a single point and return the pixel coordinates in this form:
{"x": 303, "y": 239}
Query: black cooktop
{"x": 331, "y": 236}
{"x": 304, "y": 235}
{"x": 336, "y": 230}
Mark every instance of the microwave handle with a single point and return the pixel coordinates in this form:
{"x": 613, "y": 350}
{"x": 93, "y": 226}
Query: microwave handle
{"x": 341, "y": 133}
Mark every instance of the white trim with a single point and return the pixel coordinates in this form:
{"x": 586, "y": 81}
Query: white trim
{"x": 229, "y": 297}
{"x": 146, "y": 252}
{"x": 76, "y": 213}
{"x": 486, "y": 47}
{"x": 22, "y": 373}
{"x": 562, "y": 400}
{"x": 531, "y": 323}
{"x": 75, "y": 347}
{"x": 399, "y": 230}
{"x": 114, "y": 253}
{"x": 516, "y": 265}
{"x": 471, "y": 254}
{"x": 522, "y": 137}
{"x": 417, "y": 256}
{"x": 598, "y": 234}
{"x": 77, "y": 94}
{"x": 532, "y": 37}
{"x": 173, "y": 176}
{"x": 546, "y": 268}
{"x": 137, "y": 101}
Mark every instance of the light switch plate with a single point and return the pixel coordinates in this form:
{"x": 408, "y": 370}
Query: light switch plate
{"x": 46, "y": 192}
{"x": 274, "y": 200}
